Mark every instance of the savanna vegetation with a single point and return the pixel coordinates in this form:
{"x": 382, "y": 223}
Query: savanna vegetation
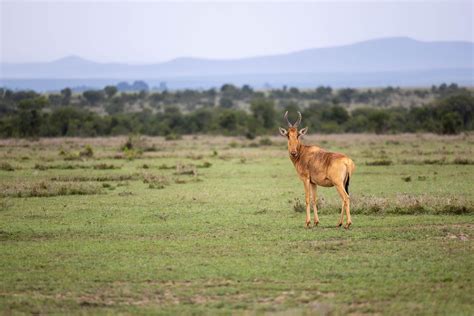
{"x": 231, "y": 110}
{"x": 215, "y": 225}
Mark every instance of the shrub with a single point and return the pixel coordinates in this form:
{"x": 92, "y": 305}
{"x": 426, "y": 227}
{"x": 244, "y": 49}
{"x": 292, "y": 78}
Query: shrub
{"x": 134, "y": 143}
{"x": 381, "y": 162}
{"x": 206, "y": 164}
{"x": 155, "y": 181}
{"x": 165, "y": 167}
{"x": 5, "y": 166}
{"x": 186, "y": 169}
{"x": 87, "y": 152}
{"x": 104, "y": 166}
{"x": 463, "y": 161}
{"x": 173, "y": 136}
{"x": 40, "y": 167}
{"x": 71, "y": 157}
{"x": 265, "y": 141}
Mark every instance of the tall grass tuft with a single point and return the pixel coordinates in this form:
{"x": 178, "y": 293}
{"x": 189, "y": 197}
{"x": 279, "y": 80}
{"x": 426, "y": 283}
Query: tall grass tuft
{"x": 298, "y": 206}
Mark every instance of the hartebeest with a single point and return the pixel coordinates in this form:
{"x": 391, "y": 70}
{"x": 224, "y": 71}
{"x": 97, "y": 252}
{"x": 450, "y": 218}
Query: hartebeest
{"x": 316, "y": 166}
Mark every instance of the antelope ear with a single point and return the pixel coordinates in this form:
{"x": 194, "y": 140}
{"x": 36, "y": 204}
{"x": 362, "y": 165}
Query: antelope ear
{"x": 283, "y": 132}
{"x": 302, "y": 131}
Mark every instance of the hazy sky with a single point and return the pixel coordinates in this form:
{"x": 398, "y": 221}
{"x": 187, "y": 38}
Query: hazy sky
{"x": 143, "y": 32}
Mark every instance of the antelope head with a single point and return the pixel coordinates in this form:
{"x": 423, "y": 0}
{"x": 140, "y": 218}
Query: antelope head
{"x": 293, "y": 135}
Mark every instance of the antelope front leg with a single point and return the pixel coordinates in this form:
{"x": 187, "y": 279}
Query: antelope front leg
{"x": 307, "y": 191}
{"x": 315, "y": 206}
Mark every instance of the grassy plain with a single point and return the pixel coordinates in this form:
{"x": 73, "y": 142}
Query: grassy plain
{"x": 214, "y": 225}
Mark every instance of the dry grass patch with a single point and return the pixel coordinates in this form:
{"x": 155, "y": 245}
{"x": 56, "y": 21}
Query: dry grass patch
{"x": 439, "y": 161}
{"x": 5, "y": 166}
{"x": 401, "y": 204}
{"x": 463, "y": 161}
{"x": 46, "y": 189}
{"x": 186, "y": 170}
{"x": 101, "y": 178}
{"x": 381, "y": 162}
{"x": 104, "y": 166}
{"x": 65, "y": 166}
{"x": 155, "y": 181}
{"x": 411, "y": 204}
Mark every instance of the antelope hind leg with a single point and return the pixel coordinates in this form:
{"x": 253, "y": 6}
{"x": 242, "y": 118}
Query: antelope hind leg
{"x": 341, "y": 218}
{"x": 345, "y": 206}
{"x": 348, "y": 212}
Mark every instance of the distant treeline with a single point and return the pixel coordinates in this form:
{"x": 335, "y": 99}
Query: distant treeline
{"x": 448, "y": 109}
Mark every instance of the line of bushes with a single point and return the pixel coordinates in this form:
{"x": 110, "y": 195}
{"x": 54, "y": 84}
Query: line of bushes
{"x": 32, "y": 117}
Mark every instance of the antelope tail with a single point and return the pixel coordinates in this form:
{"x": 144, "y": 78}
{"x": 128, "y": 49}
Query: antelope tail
{"x": 346, "y": 185}
{"x": 350, "y": 169}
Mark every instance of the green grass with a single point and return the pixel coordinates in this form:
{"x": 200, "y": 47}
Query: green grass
{"x": 225, "y": 238}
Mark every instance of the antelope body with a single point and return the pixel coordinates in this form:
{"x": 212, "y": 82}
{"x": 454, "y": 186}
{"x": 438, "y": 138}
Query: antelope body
{"x": 316, "y": 166}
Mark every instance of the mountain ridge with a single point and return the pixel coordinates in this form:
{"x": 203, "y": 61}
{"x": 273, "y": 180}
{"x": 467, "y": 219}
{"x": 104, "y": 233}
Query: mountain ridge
{"x": 384, "y": 54}
{"x": 400, "y": 56}
{"x": 381, "y": 39}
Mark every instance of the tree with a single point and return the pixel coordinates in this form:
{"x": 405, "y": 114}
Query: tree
{"x": 140, "y": 86}
{"x": 115, "y": 106}
{"x": 346, "y": 95}
{"x": 110, "y": 91}
{"x": 264, "y": 112}
{"x": 335, "y": 113}
{"x": 323, "y": 93}
{"x": 294, "y": 91}
{"x": 60, "y": 119}
{"x": 451, "y": 123}
{"x": 29, "y": 116}
{"x": 379, "y": 119}
{"x": 226, "y": 103}
{"x": 23, "y": 95}
{"x": 229, "y": 89}
{"x": 291, "y": 107}
{"x": 228, "y": 120}
{"x": 6, "y": 104}
{"x": 93, "y": 96}
{"x": 123, "y": 86}
{"x": 55, "y": 99}
{"x": 462, "y": 104}
{"x": 200, "y": 121}
{"x": 247, "y": 90}
{"x": 66, "y": 93}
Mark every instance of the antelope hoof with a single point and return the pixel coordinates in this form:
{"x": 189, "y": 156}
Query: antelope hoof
{"x": 339, "y": 224}
{"x": 347, "y": 225}
{"x": 307, "y": 224}
{"x": 316, "y": 223}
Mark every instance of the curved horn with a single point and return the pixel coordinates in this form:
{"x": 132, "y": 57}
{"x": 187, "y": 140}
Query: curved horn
{"x": 286, "y": 118}
{"x": 299, "y": 120}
